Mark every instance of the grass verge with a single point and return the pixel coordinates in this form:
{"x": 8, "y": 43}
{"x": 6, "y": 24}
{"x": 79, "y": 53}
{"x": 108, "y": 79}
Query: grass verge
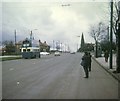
{"x": 9, "y": 58}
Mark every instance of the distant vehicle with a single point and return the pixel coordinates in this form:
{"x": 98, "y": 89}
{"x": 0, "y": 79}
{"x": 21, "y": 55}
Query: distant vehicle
{"x": 28, "y": 51}
{"x": 72, "y": 52}
{"x": 44, "y": 53}
{"x": 57, "y": 54}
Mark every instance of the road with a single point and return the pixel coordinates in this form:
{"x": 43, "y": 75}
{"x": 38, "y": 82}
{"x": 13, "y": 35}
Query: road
{"x": 56, "y": 77}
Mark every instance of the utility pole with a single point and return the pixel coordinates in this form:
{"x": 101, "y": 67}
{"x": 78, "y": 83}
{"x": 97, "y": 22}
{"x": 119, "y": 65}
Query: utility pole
{"x": 15, "y": 42}
{"x": 108, "y": 33}
{"x": 96, "y": 49}
{"x": 15, "y": 37}
{"x": 111, "y": 26}
{"x": 31, "y": 37}
{"x": 61, "y": 47}
{"x": 39, "y": 48}
{"x": 53, "y": 44}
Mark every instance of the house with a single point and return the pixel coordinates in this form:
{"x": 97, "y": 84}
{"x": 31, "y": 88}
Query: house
{"x": 44, "y": 47}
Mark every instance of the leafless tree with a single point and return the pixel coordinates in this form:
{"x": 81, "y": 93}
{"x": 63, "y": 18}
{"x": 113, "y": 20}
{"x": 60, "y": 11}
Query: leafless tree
{"x": 98, "y": 33}
{"x": 115, "y": 18}
{"x": 116, "y": 29}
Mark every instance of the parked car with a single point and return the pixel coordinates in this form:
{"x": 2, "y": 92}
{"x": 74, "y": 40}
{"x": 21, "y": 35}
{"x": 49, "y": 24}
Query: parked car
{"x": 57, "y": 54}
{"x": 72, "y": 52}
{"x": 44, "y": 53}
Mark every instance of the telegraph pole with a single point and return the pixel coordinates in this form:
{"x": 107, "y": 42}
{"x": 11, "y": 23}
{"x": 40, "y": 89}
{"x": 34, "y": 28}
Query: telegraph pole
{"x": 111, "y": 26}
{"x": 15, "y": 41}
{"x": 108, "y": 33}
{"x": 15, "y": 37}
{"x": 31, "y": 37}
{"x": 53, "y": 45}
{"x": 61, "y": 47}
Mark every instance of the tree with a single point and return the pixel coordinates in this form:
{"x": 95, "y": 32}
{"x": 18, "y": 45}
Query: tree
{"x": 9, "y": 47}
{"x": 116, "y": 29}
{"x": 88, "y": 47}
{"x": 115, "y": 18}
{"x": 105, "y": 45}
{"x": 98, "y": 32}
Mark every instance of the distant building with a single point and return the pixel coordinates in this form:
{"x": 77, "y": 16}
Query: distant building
{"x": 85, "y": 46}
{"x": 43, "y": 45}
{"x": 82, "y": 46}
{"x": 2, "y": 50}
{"x": 18, "y": 46}
{"x": 82, "y": 42}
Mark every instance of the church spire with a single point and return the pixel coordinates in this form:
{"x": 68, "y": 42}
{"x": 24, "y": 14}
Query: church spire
{"x": 82, "y": 42}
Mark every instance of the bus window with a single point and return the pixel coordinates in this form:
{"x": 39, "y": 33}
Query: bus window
{"x": 34, "y": 50}
{"x": 24, "y": 50}
{"x": 28, "y": 50}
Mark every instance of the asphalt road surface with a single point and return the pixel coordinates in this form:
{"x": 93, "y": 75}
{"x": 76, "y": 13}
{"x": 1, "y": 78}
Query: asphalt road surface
{"x": 56, "y": 77}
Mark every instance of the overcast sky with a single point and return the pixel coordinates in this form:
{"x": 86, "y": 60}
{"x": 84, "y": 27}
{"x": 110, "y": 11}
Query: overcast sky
{"x": 51, "y": 21}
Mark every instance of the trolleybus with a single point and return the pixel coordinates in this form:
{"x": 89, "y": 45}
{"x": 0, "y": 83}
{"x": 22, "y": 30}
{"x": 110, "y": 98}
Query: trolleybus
{"x": 28, "y": 51}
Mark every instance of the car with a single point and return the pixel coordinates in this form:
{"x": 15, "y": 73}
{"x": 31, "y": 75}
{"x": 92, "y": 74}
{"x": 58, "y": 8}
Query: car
{"x": 44, "y": 53}
{"x": 72, "y": 52}
{"x": 57, "y": 54}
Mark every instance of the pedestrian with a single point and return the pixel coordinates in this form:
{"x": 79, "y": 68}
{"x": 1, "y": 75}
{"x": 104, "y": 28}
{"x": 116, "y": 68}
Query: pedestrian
{"x": 89, "y": 62}
{"x": 85, "y": 58}
{"x": 106, "y": 55}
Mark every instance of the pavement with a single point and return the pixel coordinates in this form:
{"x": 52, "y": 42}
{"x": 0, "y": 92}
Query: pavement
{"x": 106, "y": 66}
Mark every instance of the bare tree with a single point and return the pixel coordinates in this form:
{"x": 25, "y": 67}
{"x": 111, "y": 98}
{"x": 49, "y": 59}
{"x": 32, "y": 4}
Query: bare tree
{"x": 115, "y": 18}
{"x": 98, "y": 33}
{"x": 116, "y": 29}
{"x": 9, "y": 46}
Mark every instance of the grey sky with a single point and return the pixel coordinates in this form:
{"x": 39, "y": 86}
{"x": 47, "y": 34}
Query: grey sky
{"x": 52, "y": 21}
